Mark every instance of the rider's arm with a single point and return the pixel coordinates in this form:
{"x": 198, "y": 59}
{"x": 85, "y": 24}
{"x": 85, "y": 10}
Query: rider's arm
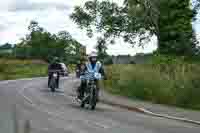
{"x": 102, "y": 71}
{"x": 49, "y": 68}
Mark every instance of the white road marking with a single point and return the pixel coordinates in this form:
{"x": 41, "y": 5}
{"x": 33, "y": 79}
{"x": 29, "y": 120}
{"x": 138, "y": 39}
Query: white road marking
{"x": 97, "y": 124}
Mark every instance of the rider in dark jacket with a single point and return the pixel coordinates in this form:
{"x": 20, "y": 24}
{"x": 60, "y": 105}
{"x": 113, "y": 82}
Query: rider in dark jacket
{"x": 54, "y": 66}
{"x": 78, "y": 69}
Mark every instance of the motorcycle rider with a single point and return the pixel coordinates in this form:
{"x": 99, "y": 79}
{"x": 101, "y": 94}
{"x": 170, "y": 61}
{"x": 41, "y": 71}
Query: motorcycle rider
{"x": 78, "y": 68}
{"x": 92, "y": 65}
{"x": 54, "y": 66}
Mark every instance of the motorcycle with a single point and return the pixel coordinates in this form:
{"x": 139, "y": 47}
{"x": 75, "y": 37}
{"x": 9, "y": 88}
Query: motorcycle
{"x": 91, "y": 91}
{"x": 53, "y": 84}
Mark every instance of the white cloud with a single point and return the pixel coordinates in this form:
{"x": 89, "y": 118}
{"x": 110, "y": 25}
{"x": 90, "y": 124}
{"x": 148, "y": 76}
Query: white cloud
{"x": 22, "y": 5}
{"x": 53, "y": 15}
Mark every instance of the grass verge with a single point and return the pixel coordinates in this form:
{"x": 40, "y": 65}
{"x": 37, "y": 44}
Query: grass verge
{"x": 172, "y": 84}
{"x": 15, "y": 69}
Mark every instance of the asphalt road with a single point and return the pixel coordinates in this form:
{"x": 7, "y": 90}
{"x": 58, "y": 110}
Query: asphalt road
{"x": 59, "y": 113}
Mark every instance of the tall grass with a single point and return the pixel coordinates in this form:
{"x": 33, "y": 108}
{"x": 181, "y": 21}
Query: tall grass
{"x": 14, "y": 69}
{"x": 172, "y": 84}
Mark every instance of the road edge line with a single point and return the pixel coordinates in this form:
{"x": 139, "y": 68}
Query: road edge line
{"x": 145, "y": 111}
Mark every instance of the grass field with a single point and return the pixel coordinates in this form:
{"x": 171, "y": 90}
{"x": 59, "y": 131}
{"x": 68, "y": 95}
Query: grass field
{"x": 15, "y": 69}
{"x": 173, "y": 84}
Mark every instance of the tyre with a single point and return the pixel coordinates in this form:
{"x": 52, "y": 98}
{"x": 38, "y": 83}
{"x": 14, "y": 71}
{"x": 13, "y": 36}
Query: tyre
{"x": 93, "y": 99}
{"x": 93, "y": 106}
{"x": 53, "y": 89}
{"x": 82, "y": 104}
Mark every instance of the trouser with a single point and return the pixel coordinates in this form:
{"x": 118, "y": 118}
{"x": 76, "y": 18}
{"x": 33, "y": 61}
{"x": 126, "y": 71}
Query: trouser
{"x": 57, "y": 80}
{"x": 82, "y": 87}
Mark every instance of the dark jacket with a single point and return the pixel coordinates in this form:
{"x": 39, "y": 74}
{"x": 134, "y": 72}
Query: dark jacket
{"x": 54, "y": 66}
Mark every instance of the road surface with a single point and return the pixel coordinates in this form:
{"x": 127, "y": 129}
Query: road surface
{"x": 58, "y": 113}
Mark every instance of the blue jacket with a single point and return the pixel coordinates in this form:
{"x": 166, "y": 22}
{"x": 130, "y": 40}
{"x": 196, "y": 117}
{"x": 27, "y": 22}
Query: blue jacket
{"x": 92, "y": 68}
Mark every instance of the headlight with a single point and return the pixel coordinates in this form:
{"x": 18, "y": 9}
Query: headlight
{"x": 97, "y": 76}
{"x": 55, "y": 75}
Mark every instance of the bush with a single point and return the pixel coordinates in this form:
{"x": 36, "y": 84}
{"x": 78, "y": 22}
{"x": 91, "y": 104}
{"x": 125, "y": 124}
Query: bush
{"x": 173, "y": 84}
{"x": 108, "y": 61}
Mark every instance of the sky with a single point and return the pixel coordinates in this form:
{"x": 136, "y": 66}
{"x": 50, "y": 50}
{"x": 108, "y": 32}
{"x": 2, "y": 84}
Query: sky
{"x": 53, "y": 15}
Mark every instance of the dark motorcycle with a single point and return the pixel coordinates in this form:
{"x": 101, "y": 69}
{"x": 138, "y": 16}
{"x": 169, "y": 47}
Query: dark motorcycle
{"x": 53, "y": 84}
{"x": 91, "y": 92}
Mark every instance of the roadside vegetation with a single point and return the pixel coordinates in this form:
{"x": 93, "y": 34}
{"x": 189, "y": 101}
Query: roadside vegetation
{"x": 174, "y": 83}
{"x": 168, "y": 78}
{"x": 16, "y": 69}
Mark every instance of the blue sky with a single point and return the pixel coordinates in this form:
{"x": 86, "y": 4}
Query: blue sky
{"x": 53, "y": 15}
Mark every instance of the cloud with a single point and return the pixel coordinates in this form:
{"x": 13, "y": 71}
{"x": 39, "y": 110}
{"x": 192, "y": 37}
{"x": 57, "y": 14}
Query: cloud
{"x": 53, "y": 15}
{"x": 27, "y": 5}
{"x": 2, "y": 26}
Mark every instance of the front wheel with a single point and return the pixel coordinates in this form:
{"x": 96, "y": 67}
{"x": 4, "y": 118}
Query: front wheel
{"x": 82, "y": 104}
{"x": 93, "y": 98}
{"x": 93, "y": 106}
{"x": 53, "y": 89}
{"x": 53, "y": 85}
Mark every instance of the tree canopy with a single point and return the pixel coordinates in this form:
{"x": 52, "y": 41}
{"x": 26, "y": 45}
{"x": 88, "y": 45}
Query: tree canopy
{"x": 41, "y": 44}
{"x": 169, "y": 20}
{"x": 6, "y": 46}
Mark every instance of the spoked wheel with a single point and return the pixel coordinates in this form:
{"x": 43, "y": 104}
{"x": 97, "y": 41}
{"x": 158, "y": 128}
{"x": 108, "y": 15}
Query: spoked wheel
{"x": 93, "y": 99}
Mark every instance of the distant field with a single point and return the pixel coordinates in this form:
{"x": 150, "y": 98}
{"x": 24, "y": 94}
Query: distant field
{"x": 15, "y": 69}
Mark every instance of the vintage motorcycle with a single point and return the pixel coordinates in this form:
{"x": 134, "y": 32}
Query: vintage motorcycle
{"x": 53, "y": 84}
{"x": 91, "y": 90}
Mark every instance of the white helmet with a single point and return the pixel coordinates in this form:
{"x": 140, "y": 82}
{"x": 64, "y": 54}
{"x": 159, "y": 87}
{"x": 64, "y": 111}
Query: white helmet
{"x": 92, "y": 54}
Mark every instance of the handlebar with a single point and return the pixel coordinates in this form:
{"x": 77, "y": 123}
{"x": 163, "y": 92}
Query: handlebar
{"x": 52, "y": 71}
{"x": 90, "y": 76}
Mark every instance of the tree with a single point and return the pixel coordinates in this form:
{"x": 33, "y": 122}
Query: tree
{"x": 6, "y": 46}
{"x": 41, "y": 44}
{"x": 168, "y": 20}
{"x": 101, "y": 49}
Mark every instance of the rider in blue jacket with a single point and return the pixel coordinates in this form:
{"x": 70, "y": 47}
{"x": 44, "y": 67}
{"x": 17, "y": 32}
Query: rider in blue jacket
{"x": 92, "y": 65}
